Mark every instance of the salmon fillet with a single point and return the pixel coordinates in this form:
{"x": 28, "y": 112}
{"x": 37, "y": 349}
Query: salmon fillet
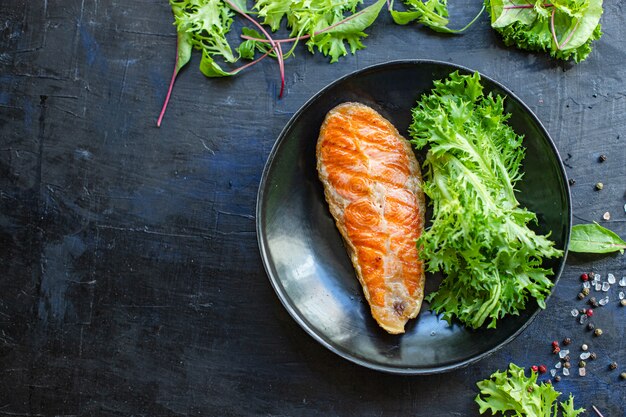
{"x": 372, "y": 183}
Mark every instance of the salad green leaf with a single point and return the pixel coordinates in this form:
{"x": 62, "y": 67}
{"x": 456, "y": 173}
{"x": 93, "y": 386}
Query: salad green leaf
{"x": 564, "y": 28}
{"x": 514, "y": 393}
{"x": 479, "y": 236}
{"x": 323, "y": 23}
{"x": 593, "y": 238}
{"x": 430, "y": 13}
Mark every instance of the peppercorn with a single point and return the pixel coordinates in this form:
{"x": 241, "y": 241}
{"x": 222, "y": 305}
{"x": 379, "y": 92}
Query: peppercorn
{"x": 584, "y": 347}
{"x": 556, "y": 349}
{"x": 584, "y": 277}
{"x": 593, "y": 356}
{"x": 585, "y": 291}
{"x": 555, "y": 344}
{"x": 581, "y": 295}
{"x": 572, "y": 181}
{"x": 622, "y": 375}
{"x": 549, "y": 382}
{"x": 599, "y": 186}
{"x": 583, "y": 311}
{"x": 567, "y": 341}
{"x": 592, "y": 300}
{"x": 557, "y": 378}
{"x": 582, "y": 364}
{"x": 567, "y": 365}
{"x": 597, "y": 332}
{"x": 622, "y": 302}
{"x": 595, "y": 304}
{"x": 534, "y": 368}
{"x": 602, "y": 158}
{"x": 613, "y": 366}
{"x": 590, "y": 326}
{"x": 542, "y": 369}
{"x": 566, "y": 358}
{"x": 530, "y": 388}
{"x": 592, "y": 275}
{"x": 589, "y": 312}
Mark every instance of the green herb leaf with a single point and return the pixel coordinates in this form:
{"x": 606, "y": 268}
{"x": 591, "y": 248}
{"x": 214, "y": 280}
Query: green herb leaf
{"x": 211, "y": 69}
{"x": 513, "y": 392}
{"x": 431, "y": 13}
{"x": 593, "y": 238}
{"x": 479, "y": 236}
{"x": 564, "y": 28}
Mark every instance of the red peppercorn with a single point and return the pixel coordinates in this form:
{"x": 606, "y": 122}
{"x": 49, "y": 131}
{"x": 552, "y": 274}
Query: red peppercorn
{"x": 584, "y": 277}
{"x": 556, "y": 350}
{"x": 542, "y": 369}
{"x": 555, "y": 344}
{"x": 534, "y": 368}
{"x": 589, "y": 312}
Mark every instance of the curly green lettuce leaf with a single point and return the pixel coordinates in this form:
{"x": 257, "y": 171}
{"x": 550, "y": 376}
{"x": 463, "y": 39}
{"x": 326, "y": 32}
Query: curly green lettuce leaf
{"x": 323, "y": 22}
{"x": 430, "y": 13}
{"x": 208, "y": 22}
{"x": 564, "y": 28}
{"x": 513, "y": 393}
{"x": 479, "y": 235}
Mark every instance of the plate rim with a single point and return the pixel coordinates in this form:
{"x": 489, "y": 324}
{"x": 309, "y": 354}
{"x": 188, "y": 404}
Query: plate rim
{"x": 265, "y": 258}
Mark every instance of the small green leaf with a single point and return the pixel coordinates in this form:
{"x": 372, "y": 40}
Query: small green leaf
{"x": 183, "y": 50}
{"x": 430, "y": 13}
{"x": 593, "y": 238}
{"x": 210, "y": 68}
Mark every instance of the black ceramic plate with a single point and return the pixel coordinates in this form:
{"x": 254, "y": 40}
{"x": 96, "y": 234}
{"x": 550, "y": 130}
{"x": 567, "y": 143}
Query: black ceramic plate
{"x": 304, "y": 255}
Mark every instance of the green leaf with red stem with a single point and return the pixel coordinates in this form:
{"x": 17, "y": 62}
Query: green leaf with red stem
{"x": 183, "y": 55}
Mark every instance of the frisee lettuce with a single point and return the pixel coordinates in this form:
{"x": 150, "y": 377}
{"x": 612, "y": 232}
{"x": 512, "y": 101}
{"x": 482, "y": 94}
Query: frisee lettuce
{"x": 514, "y": 393}
{"x": 479, "y": 236}
{"x": 430, "y": 13}
{"x": 564, "y": 28}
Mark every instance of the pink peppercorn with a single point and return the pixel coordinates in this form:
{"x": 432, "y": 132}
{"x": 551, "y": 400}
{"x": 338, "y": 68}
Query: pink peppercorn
{"x": 589, "y": 312}
{"x": 534, "y": 368}
{"x": 584, "y": 277}
{"x": 543, "y": 369}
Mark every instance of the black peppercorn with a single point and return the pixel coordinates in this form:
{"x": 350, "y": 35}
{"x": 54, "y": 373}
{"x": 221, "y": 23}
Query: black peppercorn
{"x": 590, "y": 326}
{"x": 613, "y": 366}
{"x": 566, "y": 358}
{"x": 602, "y": 158}
{"x": 593, "y": 356}
{"x": 567, "y": 365}
{"x": 572, "y": 181}
{"x": 567, "y": 341}
{"x": 581, "y": 295}
{"x": 592, "y": 300}
{"x": 558, "y": 378}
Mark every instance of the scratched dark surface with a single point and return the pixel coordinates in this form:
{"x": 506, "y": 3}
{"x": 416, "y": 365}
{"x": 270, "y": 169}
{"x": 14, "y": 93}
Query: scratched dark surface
{"x": 130, "y": 279}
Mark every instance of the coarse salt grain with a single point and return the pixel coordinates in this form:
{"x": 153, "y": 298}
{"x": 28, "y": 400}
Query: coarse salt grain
{"x": 606, "y": 216}
{"x": 598, "y": 286}
{"x": 586, "y": 284}
{"x": 622, "y": 282}
{"x": 610, "y": 279}
{"x": 574, "y": 312}
{"x": 564, "y": 353}
{"x": 606, "y": 286}
{"x": 565, "y": 371}
{"x": 583, "y": 319}
{"x": 604, "y": 301}
{"x": 621, "y": 295}
{"x": 553, "y": 372}
{"x": 585, "y": 355}
{"x": 558, "y": 365}
{"x": 582, "y": 371}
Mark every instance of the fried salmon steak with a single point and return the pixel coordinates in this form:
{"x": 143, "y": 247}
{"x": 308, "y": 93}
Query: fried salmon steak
{"x": 372, "y": 183}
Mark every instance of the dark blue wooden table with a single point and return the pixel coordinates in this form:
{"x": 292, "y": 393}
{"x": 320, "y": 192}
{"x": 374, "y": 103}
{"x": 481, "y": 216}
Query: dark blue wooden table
{"x": 130, "y": 279}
